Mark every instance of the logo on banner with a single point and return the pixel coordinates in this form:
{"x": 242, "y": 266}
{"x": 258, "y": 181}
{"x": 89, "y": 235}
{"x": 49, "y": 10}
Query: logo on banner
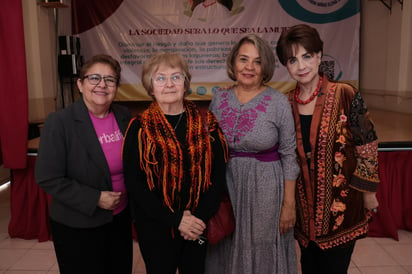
{"x": 321, "y": 11}
{"x": 201, "y": 90}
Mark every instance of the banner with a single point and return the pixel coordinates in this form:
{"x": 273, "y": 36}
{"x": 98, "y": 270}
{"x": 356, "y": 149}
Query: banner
{"x": 204, "y": 33}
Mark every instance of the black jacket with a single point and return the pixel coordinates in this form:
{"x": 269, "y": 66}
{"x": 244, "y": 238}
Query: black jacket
{"x": 72, "y": 167}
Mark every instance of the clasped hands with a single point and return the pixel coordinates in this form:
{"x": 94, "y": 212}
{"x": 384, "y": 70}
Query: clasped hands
{"x": 191, "y": 227}
{"x": 109, "y": 200}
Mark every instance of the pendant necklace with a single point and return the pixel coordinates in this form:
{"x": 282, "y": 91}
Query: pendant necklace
{"x": 178, "y": 121}
{"x": 311, "y": 98}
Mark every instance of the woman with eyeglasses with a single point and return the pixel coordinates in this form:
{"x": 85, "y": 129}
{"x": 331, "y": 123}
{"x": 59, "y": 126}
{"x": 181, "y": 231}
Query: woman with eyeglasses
{"x": 174, "y": 163}
{"x": 80, "y": 165}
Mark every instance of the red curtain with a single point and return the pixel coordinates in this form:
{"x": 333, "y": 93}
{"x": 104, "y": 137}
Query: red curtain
{"x": 394, "y": 195}
{"x": 29, "y": 206}
{"x": 13, "y": 88}
{"x": 87, "y": 14}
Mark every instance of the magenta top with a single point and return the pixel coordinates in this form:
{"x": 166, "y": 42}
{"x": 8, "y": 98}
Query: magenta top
{"x": 111, "y": 140}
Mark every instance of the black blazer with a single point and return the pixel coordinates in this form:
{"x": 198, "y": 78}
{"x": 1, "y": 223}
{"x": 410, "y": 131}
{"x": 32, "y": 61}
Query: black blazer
{"x": 72, "y": 168}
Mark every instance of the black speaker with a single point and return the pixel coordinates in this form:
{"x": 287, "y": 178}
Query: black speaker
{"x": 69, "y": 65}
{"x": 69, "y": 45}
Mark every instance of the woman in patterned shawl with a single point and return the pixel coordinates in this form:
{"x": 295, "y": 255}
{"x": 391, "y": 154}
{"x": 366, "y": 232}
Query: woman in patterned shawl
{"x": 174, "y": 163}
{"x": 337, "y": 152}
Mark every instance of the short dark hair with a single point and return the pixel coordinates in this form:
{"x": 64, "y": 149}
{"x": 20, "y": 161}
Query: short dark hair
{"x": 101, "y": 59}
{"x": 303, "y": 35}
{"x": 266, "y": 54}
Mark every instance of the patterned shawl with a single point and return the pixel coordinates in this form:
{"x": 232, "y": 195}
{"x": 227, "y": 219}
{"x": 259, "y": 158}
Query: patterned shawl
{"x": 156, "y": 137}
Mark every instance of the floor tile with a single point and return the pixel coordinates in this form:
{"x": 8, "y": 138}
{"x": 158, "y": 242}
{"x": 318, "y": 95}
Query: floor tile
{"x": 25, "y": 272}
{"x": 43, "y": 245}
{"x": 3, "y": 236}
{"x": 405, "y": 236}
{"x": 354, "y": 270}
{"x": 402, "y": 253}
{"x": 382, "y": 270}
{"x": 408, "y": 268}
{"x": 366, "y": 241}
{"x": 352, "y": 264}
{"x": 371, "y": 254}
{"x": 8, "y": 257}
{"x": 16, "y": 243}
{"x": 36, "y": 259}
{"x": 55, "y": 267}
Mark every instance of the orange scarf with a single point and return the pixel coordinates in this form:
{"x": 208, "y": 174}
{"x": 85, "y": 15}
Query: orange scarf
{"x": 157, "y": 137}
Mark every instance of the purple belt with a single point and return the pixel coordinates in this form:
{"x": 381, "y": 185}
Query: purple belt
{"x": 268, "y": 155}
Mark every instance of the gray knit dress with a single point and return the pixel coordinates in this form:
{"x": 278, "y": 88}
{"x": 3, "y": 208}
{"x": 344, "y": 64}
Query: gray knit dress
{"x": 256, "y": 187}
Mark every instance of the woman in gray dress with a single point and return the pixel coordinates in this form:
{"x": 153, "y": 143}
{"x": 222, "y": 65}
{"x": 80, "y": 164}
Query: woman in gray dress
{"x": 261, "y": 173}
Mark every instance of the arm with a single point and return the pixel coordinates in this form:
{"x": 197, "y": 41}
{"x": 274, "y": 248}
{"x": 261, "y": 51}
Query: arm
{"x": 210, "y": 200}
{"x": 287, "y": 150}
{"x": 61, "y": 167}
{"x": 288, "y": 211}
{"x": 365, "y": 177}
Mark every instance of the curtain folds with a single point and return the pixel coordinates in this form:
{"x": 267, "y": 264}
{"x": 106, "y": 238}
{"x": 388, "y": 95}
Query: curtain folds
{"x": 29, "y": 206}
{"x": 87, "y": 14}
{"x": 13, "y": 86}
{"x": 394, "y": 195}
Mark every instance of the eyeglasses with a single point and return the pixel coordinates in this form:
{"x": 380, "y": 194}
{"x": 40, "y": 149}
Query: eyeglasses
{"x": 160, "y": 79}
{"x": 95, "y": 79}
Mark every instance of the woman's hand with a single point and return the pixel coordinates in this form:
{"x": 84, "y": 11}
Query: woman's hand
{"x": 287, "y": 217}
{"x": 109, "y": 200}
{"x": 191, "y": 227}
{"x": 288, "y": 211}
{"x": 369, "y": 200}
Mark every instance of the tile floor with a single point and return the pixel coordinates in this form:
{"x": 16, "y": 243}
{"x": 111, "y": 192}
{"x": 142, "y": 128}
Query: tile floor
{"x": 371, "y": 255}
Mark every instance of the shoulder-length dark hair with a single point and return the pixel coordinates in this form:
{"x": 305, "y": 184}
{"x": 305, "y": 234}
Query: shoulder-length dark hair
{"x": 303, "y": 35}
{"x": 266, "y": 54}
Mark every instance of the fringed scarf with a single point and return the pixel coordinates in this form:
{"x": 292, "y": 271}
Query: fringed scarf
{"x": 157, "y": 137}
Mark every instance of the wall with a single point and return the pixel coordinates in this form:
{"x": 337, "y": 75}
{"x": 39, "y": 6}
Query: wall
{"x": 385, "y": 56}
{"x": 39, "y": 35}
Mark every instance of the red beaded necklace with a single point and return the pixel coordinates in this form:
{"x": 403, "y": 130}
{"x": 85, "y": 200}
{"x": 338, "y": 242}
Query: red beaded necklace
{"x": 208, "y": 5}
{"x": 314, "y": 94}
